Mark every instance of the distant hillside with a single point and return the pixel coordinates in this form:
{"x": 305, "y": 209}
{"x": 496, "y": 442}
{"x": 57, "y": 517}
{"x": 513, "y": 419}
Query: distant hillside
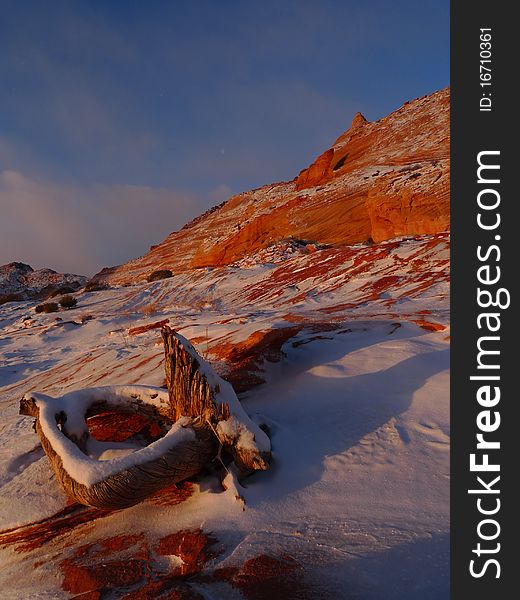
{"x": 19, "y": 281}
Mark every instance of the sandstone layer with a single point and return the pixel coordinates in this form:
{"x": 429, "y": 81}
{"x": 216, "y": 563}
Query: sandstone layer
{"x": 379, "y": 180}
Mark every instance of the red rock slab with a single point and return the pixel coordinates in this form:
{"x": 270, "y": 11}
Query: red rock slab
{"x": 119, "y": 426}
{"x": 148, "y": 327}
{"x": 294, "y": 318}
{"x": 199, "y": 339}
{"x": 164, "y": 590}
{"x": 245, "y": 359}
{"x": 193, "y": 547}
{"x": 267, "y": 577}
{"x": 38, "y": 533}
{"x": 263, "y": 344}
{"x": 126, "y": 564}
{"x": 34, "y": 535}
{"x": 93, "y": 568}
{"x": 429, "y": 325}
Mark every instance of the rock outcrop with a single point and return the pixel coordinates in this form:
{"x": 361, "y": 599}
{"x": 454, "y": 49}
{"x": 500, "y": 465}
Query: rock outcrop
{"x": 379, "y": 180}
{"x": 19, "y": 281}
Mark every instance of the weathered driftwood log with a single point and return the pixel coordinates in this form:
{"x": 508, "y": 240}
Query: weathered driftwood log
{"x": 197, "y": 391}
{"x": 121, "y": 482}
{"x": 203, "y": 408}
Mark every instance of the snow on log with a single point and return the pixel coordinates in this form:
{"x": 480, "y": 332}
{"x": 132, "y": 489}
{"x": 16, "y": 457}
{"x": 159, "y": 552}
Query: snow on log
{"x": 182, "y": 452}
{"x": 197, "y": 391}
{"x": 198, "y": 413}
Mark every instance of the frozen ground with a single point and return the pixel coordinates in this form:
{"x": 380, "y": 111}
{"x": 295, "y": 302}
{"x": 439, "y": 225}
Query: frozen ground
{"x": 356, "y": 402}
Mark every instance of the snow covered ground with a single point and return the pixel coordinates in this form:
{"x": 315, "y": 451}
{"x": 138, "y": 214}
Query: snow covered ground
{"x": 355, "y": 396}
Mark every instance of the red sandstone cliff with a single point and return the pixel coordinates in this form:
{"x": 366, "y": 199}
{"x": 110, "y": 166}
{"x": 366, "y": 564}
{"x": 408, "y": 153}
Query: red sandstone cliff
{"x": 379, "y": 180}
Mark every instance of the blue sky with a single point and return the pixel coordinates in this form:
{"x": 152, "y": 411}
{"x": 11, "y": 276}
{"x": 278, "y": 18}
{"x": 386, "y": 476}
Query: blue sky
{"x": 120, "y": 120}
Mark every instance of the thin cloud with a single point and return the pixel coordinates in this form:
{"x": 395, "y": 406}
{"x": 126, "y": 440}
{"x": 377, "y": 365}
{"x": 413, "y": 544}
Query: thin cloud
{"x": 81, "y": 229}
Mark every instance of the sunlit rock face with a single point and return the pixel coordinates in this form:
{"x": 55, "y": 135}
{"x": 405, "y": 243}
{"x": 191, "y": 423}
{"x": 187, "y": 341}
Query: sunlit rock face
{"x": 379, "y": 180}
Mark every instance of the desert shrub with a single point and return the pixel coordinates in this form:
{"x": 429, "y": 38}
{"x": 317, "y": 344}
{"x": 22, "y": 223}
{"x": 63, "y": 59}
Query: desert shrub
{"x": 149, "y": 309}
{"x": 47, "y": 307}
{"x": 159, "y": 274}
{"x": 68, "y": 301}
{"x": 64, "y": 289}
{"x": 95, "y": 286}
{"x": 5, "y": 298}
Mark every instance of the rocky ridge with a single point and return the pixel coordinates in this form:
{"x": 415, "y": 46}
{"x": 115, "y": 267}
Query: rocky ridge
{"x": 379, "y": 180}
{"x": 19, "y": 281}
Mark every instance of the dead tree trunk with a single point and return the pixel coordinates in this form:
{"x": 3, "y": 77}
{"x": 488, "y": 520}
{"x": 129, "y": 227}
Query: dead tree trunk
{"x": 195, "y": 390}
{"x": 189, "y": 391}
